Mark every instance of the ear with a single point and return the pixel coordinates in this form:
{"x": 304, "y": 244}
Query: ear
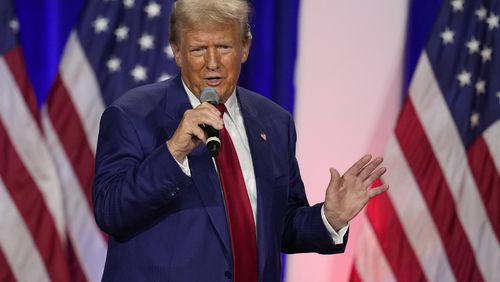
{"x": 177, "y": 54}
{"x": 245, "y": 51}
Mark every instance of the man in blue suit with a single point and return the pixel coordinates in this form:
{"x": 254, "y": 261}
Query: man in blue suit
{"x": 158, "y": 194}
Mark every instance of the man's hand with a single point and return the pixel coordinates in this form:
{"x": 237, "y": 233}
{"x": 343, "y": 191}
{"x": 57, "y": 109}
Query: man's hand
{"x": 189, "y": 134}
{"x": 347, "y": 195}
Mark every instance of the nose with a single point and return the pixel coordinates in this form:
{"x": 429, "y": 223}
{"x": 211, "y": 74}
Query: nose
{"x": 212, "y": 59}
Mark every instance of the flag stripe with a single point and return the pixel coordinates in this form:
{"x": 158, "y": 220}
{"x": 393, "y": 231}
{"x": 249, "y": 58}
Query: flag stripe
{"x": 74, "y": 264}
{"x": 373, "y": 269}
{"x": 35, "y": 156}
{"x": 69, "y": 129}
{"x": 71, "y": 124}
{"x": 15, "y": 62}
{"x": 82, "y": 88}
{"x": 17, "y": 245}
{"x": 31, "y": 205}
{"x": 436, "y": 192}
{"x": 6, "y": 274}
{"x": 491, "y": 136}
{"x": 417, "y": 222}
{"x": 87, "y": 239}
{"x": 488, "y": 180}
{"x": 393, "y": 241}
{"x": 19, "y": 111}
{"x": 354, "y": 276}
{"x": 448, "y": 151}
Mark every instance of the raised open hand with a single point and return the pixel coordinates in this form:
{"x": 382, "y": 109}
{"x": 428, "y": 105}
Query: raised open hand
{"x": 346, "y": 195}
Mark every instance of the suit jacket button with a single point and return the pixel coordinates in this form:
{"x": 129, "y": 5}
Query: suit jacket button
{"x": 172, "y": 194}
{"x": 228, "y": 274}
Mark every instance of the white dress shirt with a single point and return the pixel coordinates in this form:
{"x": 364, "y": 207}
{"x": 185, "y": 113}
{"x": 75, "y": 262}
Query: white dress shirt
{"x": 233, "y": 122}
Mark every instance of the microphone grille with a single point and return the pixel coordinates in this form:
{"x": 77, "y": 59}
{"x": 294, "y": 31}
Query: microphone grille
{"x": 209, "y": 94}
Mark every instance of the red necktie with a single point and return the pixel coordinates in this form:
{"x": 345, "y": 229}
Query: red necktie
{"x": 238, "y": 208}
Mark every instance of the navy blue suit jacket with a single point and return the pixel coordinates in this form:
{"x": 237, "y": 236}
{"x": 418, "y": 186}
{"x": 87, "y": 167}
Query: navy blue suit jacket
{"x": 166, "y": 226}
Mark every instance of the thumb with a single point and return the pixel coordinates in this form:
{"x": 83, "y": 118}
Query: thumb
{"x": 334, "y": 179}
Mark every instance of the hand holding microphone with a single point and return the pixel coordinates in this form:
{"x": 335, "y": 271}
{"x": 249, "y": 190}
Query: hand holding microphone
{"x": 199, "y": 125}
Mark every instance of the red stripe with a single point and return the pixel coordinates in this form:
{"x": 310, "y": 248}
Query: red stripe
{"x": 354, "y": 277}
{"x": 436, "y": 192}
{"x": 393, "y": 240}
{"x": 6, "y": 274}
{"x": 31, "y": 205}
{"x": 69, "y": 128}
{"x": 76, "y": 271}
{"x": 487, "y": 179}
{"x": 15, "y": 62}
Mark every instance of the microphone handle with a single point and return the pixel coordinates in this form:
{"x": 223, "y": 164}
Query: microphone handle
{"x": 213, "y": 140}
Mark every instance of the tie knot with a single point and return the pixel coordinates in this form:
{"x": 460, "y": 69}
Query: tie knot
{"x": 221, "y": 108}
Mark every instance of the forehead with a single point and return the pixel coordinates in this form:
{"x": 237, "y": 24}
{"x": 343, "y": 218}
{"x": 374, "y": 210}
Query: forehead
{"x": 210, "y": 32}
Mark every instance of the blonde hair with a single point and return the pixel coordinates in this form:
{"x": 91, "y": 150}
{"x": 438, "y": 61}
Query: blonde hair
{"x": 193, "y": 13}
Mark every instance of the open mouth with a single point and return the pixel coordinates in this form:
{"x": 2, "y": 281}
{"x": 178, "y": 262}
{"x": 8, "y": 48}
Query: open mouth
{"x": 213, "y": 81}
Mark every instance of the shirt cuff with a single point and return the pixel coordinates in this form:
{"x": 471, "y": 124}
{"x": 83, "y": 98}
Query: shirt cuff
{"x": 184, "y": 166}
{"x": 337, "y": 236}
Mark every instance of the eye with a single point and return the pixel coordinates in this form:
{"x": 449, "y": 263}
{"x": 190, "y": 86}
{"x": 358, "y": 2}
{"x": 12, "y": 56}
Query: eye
{"x": 197, "y": 51}
{"x": 224, "y": 49}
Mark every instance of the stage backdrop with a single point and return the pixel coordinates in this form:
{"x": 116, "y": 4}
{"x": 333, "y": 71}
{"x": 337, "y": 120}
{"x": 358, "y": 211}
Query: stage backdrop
{"x": 339, "y": 66}
{"x": 78, "y": 59}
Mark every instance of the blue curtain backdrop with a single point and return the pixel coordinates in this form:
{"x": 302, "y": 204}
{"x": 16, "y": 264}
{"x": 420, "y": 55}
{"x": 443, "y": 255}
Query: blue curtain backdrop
{"x": 270, "y": 70}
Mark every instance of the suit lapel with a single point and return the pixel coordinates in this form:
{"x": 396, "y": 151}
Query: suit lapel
{"x": 261, "y": 151}
{"x": 203, "y": 172}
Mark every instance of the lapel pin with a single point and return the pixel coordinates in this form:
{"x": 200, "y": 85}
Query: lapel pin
{"x": 263, "y": 136}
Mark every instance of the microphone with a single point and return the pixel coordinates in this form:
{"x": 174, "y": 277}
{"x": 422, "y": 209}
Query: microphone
{"x": 209, "y": 94}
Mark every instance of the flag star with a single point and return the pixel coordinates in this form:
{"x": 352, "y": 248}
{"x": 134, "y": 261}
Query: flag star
{"x": 480, "y": 87}
{"x": 464, "y": 78}
{"x": 474, "y": 119}
{"x": 139, "y": 73}
{"x": 113, "y": 64}
{"x": 458, "y": 5}
{"x": 486, "y": 54}
{"x": 492, "y": 21}
{"x": 447, "y": 36}
{"x": 152, "y": 9}
{"x": 163, "y": 76}
{"x": 121, "y": 33}
{"x": 101, "y": 24}
{"x": 146, "y": 41}
{"x": 168, "y": 51}
{"x": 14, "y": 25}
{"x": 129, "y": 3}
{"x": 473, "y": 45}
{"x": 481, "y": 13}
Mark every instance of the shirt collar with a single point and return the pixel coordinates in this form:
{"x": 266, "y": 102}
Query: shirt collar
{"x": 231, "y": 103}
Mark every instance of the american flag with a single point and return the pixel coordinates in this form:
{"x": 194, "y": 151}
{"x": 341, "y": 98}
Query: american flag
{"x": 47, "y": 227}
{"x": 440, "y": 221}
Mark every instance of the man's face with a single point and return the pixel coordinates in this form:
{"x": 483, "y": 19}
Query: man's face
{"x": 211, "y": 56}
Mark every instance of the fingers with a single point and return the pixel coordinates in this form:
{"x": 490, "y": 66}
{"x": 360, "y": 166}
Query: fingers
{"x": 198, "y": 134}
{"x": 356, "y": 168}
{"x": 378, "y": 190}
{"x": 334, "y": 179}
{"x": 369, "y": 168}
{"x": 374, "y": 176}
{"x": 205, "y": 113}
